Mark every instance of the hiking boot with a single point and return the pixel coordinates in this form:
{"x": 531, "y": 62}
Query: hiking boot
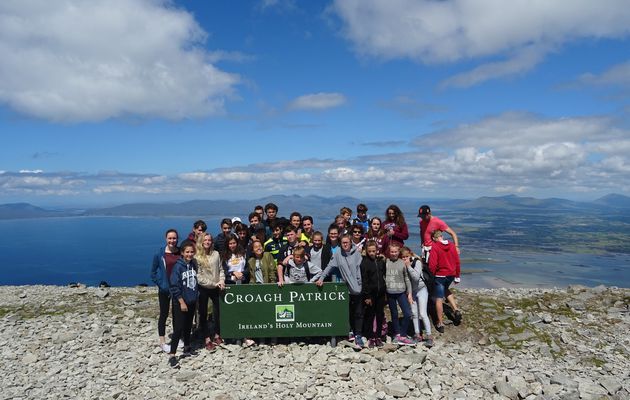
{"x": 439, "y": 328}
{"x": 457, "y": 317}
{"x": 428, "y": 343}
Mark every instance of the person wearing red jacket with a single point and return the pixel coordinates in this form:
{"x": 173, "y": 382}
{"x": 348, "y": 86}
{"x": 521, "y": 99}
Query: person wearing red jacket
{"x": 445, "y": 265}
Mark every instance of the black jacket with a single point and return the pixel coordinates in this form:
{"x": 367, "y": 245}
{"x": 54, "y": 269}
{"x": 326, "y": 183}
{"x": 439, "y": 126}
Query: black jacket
{"x": 372, "y": 276}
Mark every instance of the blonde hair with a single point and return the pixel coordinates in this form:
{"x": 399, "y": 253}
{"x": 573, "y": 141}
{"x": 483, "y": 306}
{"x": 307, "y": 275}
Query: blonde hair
{"x": 200, "y": 255}
{"x": 299, "y": 250}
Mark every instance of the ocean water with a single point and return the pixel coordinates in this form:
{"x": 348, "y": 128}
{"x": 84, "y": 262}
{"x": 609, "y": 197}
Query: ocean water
{"x": 119, "y": 251}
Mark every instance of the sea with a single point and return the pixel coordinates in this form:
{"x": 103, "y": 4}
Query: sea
{"x": 119, "y": 251}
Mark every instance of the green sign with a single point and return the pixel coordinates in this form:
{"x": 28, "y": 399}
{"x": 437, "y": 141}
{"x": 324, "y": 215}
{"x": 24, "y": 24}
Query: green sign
{"x": 294, "y": 310}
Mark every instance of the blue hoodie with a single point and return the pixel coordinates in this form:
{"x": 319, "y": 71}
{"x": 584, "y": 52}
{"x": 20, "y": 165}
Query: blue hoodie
{"x": 158, "y": 271}
{"x": 184, "y": 281}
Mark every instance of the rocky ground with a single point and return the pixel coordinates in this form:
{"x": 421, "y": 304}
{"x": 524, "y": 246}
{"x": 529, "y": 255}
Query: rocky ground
{"x": 514, "y": 343}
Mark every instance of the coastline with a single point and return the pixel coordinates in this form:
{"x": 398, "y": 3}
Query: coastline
{"x": 514, "y": 343}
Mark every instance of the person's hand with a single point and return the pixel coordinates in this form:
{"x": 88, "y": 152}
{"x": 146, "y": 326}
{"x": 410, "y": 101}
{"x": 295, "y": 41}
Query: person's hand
{"x": 319, "y": 283}
{"x": 457, "y": 280}
{"x": 280, "y": 282}
{"x": 238, "y": 275}
{"x": 221, "y": 285}
{"x": 183, "y": 306}
{"x": 410, "y": 298}
{"x": 368, "y": 302}
{"x": 457, "y": 248}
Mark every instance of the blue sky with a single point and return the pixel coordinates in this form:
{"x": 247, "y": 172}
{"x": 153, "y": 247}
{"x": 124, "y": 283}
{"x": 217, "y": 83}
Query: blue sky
{"x": 106, "y": 102}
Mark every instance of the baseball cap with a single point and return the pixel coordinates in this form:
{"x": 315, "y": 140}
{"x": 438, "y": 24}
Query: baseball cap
{"x": 423, "y": 210}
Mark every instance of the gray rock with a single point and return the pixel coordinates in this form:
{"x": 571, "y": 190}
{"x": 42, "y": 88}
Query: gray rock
{"x": 129, "y": 313}
{"x": 101, "y": 293}
{"x": 185, "y": 376}
{"x": 29, "y": 358}
{"x": 397, "y": 389}
{"x": 612, "y": 385}
{"x": 343, "y": 370}
{"x": 563, "y": 380}
{"x": 525, "y": 335}
{"x": 505, "y": 389}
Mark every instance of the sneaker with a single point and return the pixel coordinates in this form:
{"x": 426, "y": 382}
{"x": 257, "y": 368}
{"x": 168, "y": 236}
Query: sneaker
{"x": 358, "y": 340}
{"x": 172, "y": 361}
{"x": 428, "y": 343}
{"x": 187, "y": 351}
{"x": 211, "y": 346}
{"x": 248, "y": 343}
{"x": 403, "y": 341}
{"x": 217, "y": 340}
{"x": 180, "y": 345}
{"x": 418, "y": 337}
{"x": 351, "y": 336}
{"x": 440, "y": 328}
{"x": 379, "y": 342}
{"x": 165, "y": 348}
{"x": 371, "y": 343}
{"x": 457, "y": 317}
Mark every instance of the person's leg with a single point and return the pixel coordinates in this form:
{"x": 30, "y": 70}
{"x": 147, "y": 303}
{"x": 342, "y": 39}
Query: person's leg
{"x": 165, "y": 303}
{"x": 178, "y": 326}
{"x": 393, "y": 310}
{"x": 368, "y": 319}
{"x": 203, "y": 312}
{"x": 414, "y": 315}
{"x": 439, "y": 298}
{"x": 423, "y": 299}
{"x": 379, "y": 310}
{"x": 357, "y": 312}
{"x": 216, "y": 316}
{"x": 406, "y": 309}
{"x": 188, "y": 322}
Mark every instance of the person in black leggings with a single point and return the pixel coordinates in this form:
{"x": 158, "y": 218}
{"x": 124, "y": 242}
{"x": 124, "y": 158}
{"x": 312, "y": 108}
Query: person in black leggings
{"x": 163, "y": 262}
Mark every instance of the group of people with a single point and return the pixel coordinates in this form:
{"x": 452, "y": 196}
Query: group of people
{"x": 368, "y": 254}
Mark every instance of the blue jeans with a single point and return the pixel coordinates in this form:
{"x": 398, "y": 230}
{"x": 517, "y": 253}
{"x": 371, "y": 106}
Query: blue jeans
{"x": 441, "y": 286}
{"x": 401, "y": 300}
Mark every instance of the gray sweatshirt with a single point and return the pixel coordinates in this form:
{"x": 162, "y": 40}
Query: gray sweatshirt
{"x": 397, "y": 278}
{"x": 415, "y": 275}
{"x": 349, "y": 265}
{"x": 297, "y": 273}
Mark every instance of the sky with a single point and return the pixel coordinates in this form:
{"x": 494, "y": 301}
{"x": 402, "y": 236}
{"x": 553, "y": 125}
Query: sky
{"x": 117, "y": 101}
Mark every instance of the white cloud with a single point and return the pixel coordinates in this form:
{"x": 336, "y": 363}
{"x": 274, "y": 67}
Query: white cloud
{"x": 506, "y": 153}
{"x": 74, "y": 61}
{"x": 318, "y": 101}
{"x": 519, "y": 31}
{"x": 615, "y": 75}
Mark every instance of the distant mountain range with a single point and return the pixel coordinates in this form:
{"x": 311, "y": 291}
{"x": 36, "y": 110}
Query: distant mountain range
{"x": 322, "y": 206}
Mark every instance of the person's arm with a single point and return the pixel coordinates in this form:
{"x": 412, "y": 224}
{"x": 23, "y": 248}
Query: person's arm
{"x": 221, "y": 284}
{"x": 401, "y": 232}
{"x": 331, "y": 264}
{"x": 176, "y": 291}
{"x": 154, "y": 268}
{"x": 415, "y": 272}
{"x": 407, "y": 281}
{"x": 315, "y": 271}
{"x": 280, "y": 273}
{"x": 454, "y": 236}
